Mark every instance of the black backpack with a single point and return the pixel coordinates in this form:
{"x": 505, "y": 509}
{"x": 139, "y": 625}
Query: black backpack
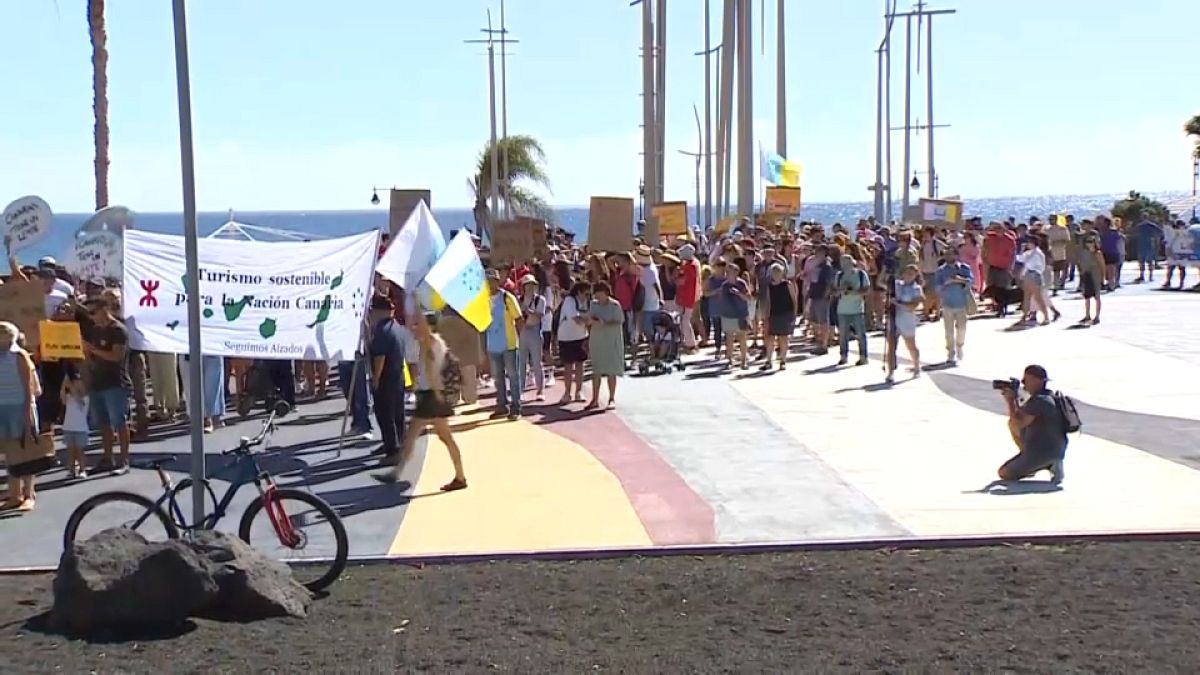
{"x": 1070, "y": 415}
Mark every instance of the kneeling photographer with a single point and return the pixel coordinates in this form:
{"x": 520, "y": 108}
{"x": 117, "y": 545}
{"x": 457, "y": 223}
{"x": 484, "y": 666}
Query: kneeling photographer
{"x": 1037, "y": 427}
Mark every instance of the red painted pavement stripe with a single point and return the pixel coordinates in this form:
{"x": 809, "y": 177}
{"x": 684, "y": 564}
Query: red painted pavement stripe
{"x": 669, "y": 509}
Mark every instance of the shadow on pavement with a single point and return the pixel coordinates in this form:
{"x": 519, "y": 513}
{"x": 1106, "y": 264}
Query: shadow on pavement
{"x": 1021, "y": 487}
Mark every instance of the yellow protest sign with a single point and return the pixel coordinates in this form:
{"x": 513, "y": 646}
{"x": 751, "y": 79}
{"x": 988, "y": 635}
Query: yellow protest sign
{"x": 671, "y": 217}
{"x": 60, "y": 340}
{"x": 783, "y": 200}
{"x": 724, "y": 225}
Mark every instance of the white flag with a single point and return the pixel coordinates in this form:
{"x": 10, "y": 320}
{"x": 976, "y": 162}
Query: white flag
{"x": 414, "y": 249}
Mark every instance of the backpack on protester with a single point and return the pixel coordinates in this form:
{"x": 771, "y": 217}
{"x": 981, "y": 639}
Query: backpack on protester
{"x": 452, "y": 380}
{"x": 1070, "y": 414}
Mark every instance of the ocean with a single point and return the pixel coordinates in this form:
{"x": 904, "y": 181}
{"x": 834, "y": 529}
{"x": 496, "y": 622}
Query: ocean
{"x": 574, "y": 219}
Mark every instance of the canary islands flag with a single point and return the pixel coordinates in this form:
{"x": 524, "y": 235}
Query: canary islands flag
{"x": 457, "y": 277}
{"x": 778, "y": 171}
{"x": 412, "y": 253}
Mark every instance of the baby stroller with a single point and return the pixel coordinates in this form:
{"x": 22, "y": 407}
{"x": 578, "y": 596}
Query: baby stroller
{"x": 664, "y": 346}
{"x": 260, "y": 386}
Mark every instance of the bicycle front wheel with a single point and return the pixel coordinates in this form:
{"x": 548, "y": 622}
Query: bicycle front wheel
{"x": 301, "y": 529}
{"x": 109, "y": 510}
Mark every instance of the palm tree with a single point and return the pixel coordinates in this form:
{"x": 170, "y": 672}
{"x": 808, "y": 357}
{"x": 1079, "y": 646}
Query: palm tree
{"x": 1192, "y": 128}
{"x": 99, "y": 36}
{"x": 526, "y": 169}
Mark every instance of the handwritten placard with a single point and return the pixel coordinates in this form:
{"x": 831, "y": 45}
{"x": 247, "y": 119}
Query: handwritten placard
{"x": 26, "y": 220}
{"x": 671, "y": 218}
{"x": 24, "y": 303}
{"x": 610, "y": 224}
{"x": 60, "y": 340}
{"x": 512, "y": 241}
{"x": 96, "y": 255}
{"x": 783, "y": 200}
{"x": 537, "y": 230}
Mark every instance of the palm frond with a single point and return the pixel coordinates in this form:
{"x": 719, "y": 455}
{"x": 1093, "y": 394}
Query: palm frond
{"x": 525, "y": 202}
{"x": 1192, "y": 127}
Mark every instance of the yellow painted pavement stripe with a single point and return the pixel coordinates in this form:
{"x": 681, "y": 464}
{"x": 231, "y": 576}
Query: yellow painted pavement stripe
{"x": 530, "y": 489}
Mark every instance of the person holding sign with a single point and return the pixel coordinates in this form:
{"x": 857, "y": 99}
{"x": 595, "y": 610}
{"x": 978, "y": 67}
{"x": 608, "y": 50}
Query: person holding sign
{"x": 19, "y": 388}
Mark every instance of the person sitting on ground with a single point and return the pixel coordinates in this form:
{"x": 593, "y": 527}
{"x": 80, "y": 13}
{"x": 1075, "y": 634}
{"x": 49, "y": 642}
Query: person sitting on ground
{"x": 1037, "y": 429}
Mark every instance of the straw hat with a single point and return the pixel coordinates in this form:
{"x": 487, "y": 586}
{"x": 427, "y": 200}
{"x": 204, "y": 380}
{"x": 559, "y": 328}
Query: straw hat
{"x": 671, "y": 258}
{"x": 528, "y": 279}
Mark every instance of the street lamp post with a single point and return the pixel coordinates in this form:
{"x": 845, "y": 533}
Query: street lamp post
{"x": 191, "y": 254}
{"x": 641, "y": 198}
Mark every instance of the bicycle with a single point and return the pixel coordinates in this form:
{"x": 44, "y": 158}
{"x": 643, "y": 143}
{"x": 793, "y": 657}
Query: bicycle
{"x": 288, "y": 525}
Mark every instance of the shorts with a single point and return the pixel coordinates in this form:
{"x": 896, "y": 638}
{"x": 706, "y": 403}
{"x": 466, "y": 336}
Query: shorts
{"x": 998, "y": 277}
{"x": 13, "y": 419}
{"x": 648, "y": 317}
{"x": 110, "y": 408}
{"x": 818, "y": 311}
{"x": 1112, "y": 259}
{"x": 1035, "y": 278}
{"x": 1088, "y": 285}
{"x": 430, "y": 406}
{"x": 733, "y": 326}
{"x": 781, "y": 326}
{"x": 572, "y": 351}
{"x": 547, "y": 340}
{"x": 75, "y": 439}
{"x": 906, "y": 324}
{"x": 1146, "y": 253}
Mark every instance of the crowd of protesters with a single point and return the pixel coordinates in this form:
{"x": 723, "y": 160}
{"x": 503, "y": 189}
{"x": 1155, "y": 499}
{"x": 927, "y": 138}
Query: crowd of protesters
{"x": 753, "y": 294}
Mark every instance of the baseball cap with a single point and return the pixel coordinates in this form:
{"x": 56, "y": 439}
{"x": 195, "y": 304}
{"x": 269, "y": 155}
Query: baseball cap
{"x": 47, "y": 261}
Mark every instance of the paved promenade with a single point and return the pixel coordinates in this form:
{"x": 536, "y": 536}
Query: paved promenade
{"x": 816, "y": 453}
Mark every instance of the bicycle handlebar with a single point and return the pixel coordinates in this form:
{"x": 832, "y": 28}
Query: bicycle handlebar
{"x": 247, "y": 443}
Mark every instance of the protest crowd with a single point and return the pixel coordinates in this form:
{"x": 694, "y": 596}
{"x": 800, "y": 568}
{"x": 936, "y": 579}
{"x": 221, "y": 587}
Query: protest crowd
{"x": 749, "y": 294}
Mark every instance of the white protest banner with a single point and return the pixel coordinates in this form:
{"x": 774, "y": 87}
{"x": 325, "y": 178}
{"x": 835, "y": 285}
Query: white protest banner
{"x": 95, "y": 255}
{"x": 259, "y": 300}
{"x": 26, "y": 220}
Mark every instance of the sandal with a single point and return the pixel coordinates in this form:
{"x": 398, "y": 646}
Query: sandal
{"x": 27, "y": 505}
{"x": 456, "y": 484}
{"x": 591, "y": 406}
{"x": 612, "y": 405}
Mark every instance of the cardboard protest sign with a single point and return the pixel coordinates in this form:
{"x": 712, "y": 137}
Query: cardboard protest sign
{"x": 669, "y": 218}
{"x": 402, "y": 203}
{"x": 783, "y": 200}
{"x": 512, "y": 241}
{"x": 60, "y": 340}
{"x": 24, "y": 303}
{"x": 25, "y": 221}
{"x": 610, "y": 224}
{"x": 96, "y": 255}
{"x": 943, "y": 212}
{"x": 537, "y": 230}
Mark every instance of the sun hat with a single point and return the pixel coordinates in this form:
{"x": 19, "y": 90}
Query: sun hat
{"x": 529, "y": 279}
{"x": 671, "y": 257}
{"x": 687, "y": 252}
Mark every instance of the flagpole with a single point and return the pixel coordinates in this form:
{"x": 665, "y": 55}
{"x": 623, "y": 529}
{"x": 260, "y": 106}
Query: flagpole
{"x": 195, "y": 393}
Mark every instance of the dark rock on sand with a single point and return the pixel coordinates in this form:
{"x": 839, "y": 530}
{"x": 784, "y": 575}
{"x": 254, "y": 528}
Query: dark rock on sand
{"x": 252, "y": 586}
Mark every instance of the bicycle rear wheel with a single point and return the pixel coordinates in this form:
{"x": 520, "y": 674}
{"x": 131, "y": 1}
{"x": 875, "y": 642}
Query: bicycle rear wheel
{"x": 320, "y": 547}
{"x": 108, "y": 510}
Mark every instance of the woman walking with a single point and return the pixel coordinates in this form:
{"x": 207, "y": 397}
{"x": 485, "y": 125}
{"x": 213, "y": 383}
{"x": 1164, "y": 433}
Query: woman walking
{"x": 909, "y": 297}
{"x": 19, "y": 390}
{"x": 781, "y": 315}
{"x": 426, "y": 356}
{"x": 572, "y": 339}
{"x": 969, "y": 252}
{"x": 529, "y": 344}
{"x": 606, "y": 343}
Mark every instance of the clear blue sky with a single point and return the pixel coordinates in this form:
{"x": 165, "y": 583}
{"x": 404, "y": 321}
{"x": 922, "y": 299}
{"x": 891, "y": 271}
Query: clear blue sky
{"x": 306, "y": 104}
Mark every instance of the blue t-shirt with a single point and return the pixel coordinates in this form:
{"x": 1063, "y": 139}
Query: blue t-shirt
{"x": 734, "y": 306}
{"x": 1146, "y": 232}
{"x": 390, "y": 341}
{"x": 953, "y": 295}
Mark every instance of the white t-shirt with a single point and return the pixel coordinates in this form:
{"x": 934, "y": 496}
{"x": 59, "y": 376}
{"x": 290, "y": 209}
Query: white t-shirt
{"x": 76, "y": 416}
{"x": 416, "y": 366}
{"x": 568, "y": 329}
{"x": 548, "y": 317}
{"x": 63, "y": 287}
{"x": 650, "y": 282}
{"x": 1033, "y": 260}
{"x": 54, "y": 299}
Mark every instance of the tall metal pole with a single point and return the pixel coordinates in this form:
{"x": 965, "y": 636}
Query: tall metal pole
{"x": 660, "y": 97}
{"x": 878, "y": 187}
{"x": 729, "y": 48}
{"x": 495, "y": 158}
{"x": 191, "y": 253}
{"x": 932, "y": 176}
{"x": 907, "y": 111}
{"x": 746, "y": 192}
{"x": 504, "y": 108}
{"x": 649, "y": 144}
{"x": 887, "y": 118}
{"x": 780, "y": 86}
{"x": 708, "y": 132}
